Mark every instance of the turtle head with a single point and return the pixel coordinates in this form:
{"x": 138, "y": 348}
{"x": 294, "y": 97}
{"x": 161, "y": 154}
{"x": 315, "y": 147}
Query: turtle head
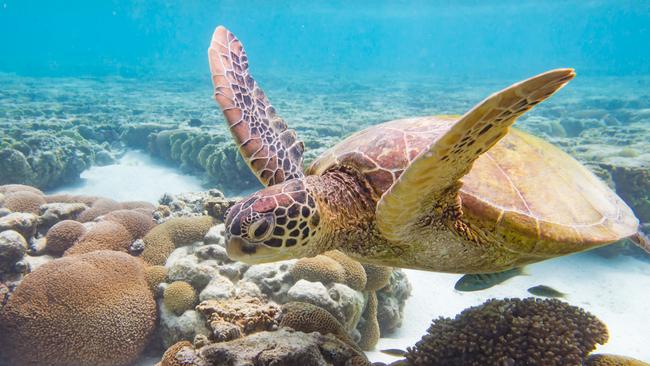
{"x": 273, "y": 224}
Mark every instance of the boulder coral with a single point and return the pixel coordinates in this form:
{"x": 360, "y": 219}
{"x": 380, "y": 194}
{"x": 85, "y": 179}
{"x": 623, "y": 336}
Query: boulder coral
{"x": 100, "y": 301}
{"x": 63, "y": 235}
{"x": 24, "y": 201}
{"x": 104, "y": 235}
{"x": 511, "y": 332}
{"x": 179, "y": 296}
{"x": 178, "y": 231}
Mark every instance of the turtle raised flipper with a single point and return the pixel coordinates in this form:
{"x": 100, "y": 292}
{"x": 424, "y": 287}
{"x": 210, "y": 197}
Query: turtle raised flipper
{"x": 430, "y": 184}
{"x": 266, "y": 144}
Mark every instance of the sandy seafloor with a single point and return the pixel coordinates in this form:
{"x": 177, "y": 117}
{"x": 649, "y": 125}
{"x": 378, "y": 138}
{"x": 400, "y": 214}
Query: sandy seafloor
{"x": 614, "y": 289}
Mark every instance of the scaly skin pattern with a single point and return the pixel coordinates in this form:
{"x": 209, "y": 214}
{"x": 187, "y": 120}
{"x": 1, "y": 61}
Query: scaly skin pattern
{"x": 443, "y": 243}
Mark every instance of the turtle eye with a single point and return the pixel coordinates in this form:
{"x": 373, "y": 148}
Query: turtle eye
{"x": 261, "y": 229}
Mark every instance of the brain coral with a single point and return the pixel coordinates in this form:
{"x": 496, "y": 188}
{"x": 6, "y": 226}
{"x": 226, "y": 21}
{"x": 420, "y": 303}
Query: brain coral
{"x": 63, "y": 235}
{"x": 24, "y": 201}
{"x": 99, "y": 207}
{"x": 369, "y": 329}
{"x": 155, "y": 275}
{"x": 175, "y": 232}
{"x": 318, "y": 269}
{"x": 355, "y": 275}
{"x": 308, "y": 318}
{"x": 90, "y": 309}
{"x": 137, "y": 223}
{"x": 613, "y": 360}
{"x": 511, "y": 332}
{"x": 105, "y": 235}
{"x": 179, "y": 296}
{"x": 378, "y": 276}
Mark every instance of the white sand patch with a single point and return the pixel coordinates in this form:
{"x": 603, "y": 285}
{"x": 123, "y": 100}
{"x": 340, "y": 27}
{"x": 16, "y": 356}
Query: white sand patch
{"x": 616, "y": 290}
{"x": 135, "y": 177}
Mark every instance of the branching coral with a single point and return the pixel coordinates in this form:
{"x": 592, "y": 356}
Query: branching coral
{"x": 179, "y": 296}
{"x": 63, "y": 235}
{"x": 90, "y": 309}
{"x": 511, "y": 332}
{"x": 164, "y": 238}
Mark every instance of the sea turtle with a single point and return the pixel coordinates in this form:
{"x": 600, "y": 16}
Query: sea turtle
{"x": 459, "y": 194}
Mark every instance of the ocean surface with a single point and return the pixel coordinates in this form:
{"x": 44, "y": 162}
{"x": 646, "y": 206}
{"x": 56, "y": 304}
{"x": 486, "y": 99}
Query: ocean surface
{"x": 114, "y": 99}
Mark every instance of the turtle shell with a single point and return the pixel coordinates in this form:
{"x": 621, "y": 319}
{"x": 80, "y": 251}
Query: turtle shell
{"x": 523, "y": 186}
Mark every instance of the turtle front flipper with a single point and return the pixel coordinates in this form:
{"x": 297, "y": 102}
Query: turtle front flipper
{"x": 429, "y": 186}
{"x": 269, "y": 148}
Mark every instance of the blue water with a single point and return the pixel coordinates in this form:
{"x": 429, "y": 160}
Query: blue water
{"x": 442, "y": 38}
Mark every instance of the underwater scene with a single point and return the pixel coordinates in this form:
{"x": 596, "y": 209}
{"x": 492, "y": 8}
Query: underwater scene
{"x": 350, "y": 183}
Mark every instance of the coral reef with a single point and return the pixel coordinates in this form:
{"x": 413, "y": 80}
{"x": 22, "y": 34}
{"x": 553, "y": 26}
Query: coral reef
{"x": 63, "y": 235}
{"x": 219, "y": 280}
{"x": 113, "y": 318}
{"x": 511, "y": 331}
{"x": 161, "y": 240}
{"x": 179, "y": 297}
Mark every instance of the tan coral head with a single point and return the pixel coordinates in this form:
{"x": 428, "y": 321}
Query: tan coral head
{"x": 273, "y": 224}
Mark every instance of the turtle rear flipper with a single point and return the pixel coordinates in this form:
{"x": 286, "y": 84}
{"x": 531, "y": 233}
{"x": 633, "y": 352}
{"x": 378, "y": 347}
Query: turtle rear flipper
{"x": 269, "y": 148}
{"x": 433, "y": 178}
